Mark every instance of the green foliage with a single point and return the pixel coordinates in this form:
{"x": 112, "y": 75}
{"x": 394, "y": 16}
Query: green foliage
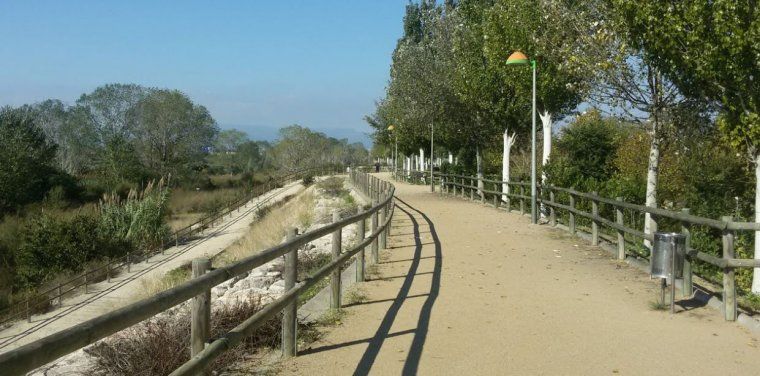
{"x": 25, "y": 160}
{"x": 139, "y": 219}
{"x": 51, "y": 246}
{"x": 709, "y": 49}
{"x": 585, "y": 153}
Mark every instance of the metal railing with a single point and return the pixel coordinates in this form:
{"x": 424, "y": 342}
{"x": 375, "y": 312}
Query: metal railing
{"x": 572, "y": 204}
{"x": 45, "y": 350}
{"x": 110, "y": 267}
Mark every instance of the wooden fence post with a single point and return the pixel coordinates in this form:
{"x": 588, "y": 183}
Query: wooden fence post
{"x": 472, "y": 191}
{"x": 620, "y": 234}
{"x": 481, "y": 192}
{"x": 200, "y": 321}
{"x": 688, "y": 286}
{"x": 729, "y": 279}
{"x": 375, "y": 253}
{"x": 289, "y": 314}
{"x": 571, "y": 216}
{"x": 360, "y": 263}
{"x": 462, "y": 187}
{"x": 552, "y": 211}
{"x": 60, "y": 295}
{"x": 594, "y": 221}
{"x": 335, "y": 276}
{"x": 381, "y": 220}
{"x": 522, "y": 200}
{"x": 85, "y": 281}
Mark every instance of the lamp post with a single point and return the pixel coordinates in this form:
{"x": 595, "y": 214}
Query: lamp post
{"x": 518, "y": 58}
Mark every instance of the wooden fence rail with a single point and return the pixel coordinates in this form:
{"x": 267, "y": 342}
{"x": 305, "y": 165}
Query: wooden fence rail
{"x": 45, "y": 350}
{"x": 549, "y": 197}
{"x": 55, "y": 294}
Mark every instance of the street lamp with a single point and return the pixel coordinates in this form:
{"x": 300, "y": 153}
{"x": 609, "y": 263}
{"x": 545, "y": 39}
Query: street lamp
{"x": 391, "y": 128}
{"x": 519, "y": 58}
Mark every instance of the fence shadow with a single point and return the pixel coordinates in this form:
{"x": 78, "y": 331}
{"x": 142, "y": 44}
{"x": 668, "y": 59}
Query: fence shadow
{"x": 412, "y": 361}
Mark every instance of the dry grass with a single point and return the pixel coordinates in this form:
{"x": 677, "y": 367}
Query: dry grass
{"x": 269, "y": 230}
{"x": 189, "y": 201}
{"x": 153, "y": 285}
{"x": 179, "y": 221}
{"x": 161, "y": 345}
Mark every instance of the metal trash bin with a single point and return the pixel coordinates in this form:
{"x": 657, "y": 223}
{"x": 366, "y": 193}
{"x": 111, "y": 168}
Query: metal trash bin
{"x": 663, "y": 257}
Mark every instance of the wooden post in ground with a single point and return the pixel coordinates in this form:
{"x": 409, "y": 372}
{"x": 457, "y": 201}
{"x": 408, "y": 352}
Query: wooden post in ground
{"x": 360, "y": 263}
{"x": 200, "y": 321}
{"x": 552, "y": 211}
{"x": 571, "y": 216}
{"x": 620, "y": 233}
{"x": 375, "y": 253}
{"x": 522, "y": 200}
{"x": 335, "y": 276}
{"x": 688, "y": 286}
{"x": 594, "y": 221}
{"x": 381, "y": 220}
{"x": 729, "y": 279}
{"x": 289, "y": 314}
{"x": 472, "y": 190}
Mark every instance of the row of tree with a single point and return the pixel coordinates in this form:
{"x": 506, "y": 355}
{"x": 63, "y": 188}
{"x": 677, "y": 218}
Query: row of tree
{"x": 675, "y": 70}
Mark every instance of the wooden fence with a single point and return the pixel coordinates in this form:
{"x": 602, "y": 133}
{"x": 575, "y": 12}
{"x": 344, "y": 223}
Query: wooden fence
{"x": 567, "y": 205}
{"x": 45, "y": 350}
{"x": 41, "y": 300}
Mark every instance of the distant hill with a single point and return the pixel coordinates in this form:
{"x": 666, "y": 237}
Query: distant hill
{"x": 270, "y": 133}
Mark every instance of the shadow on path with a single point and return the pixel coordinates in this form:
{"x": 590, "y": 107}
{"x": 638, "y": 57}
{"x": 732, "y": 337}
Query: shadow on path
{"x": 420, "y": 333}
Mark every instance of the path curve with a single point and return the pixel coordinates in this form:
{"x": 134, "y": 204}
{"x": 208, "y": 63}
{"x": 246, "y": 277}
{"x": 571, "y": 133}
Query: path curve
{"x": 466, "y": 289}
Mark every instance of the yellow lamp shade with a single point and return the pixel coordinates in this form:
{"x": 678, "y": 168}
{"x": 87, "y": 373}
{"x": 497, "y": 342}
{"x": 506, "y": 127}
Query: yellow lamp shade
{"x": 517, "y": 57}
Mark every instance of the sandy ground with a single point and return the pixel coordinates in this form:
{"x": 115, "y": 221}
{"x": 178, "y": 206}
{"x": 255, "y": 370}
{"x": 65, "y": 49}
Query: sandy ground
{"x": 465, "y": 289}
{"x": 125, "y": 288}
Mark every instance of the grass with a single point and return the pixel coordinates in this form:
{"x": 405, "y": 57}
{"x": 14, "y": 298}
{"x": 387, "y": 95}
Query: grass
{"x": 271, "y": 229}
{"x": 154, "y": 285}
{"x": 657, "y": 305}
{"x": 185, "y": 201}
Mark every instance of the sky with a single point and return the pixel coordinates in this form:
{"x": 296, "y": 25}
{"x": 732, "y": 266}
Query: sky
{"x": 256, "y": 65}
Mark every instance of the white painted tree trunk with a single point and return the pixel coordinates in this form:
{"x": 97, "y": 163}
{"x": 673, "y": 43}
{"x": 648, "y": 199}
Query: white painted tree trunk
{"x": 422, "y": 160}
{"x": 650, "y": 225}
{"x": 479, "y": 160}
{"x": 546, "y": 123}
{"x": 451, "y": 158}
{"x": 756, "y": 273}
{"x": 509, "y": 140}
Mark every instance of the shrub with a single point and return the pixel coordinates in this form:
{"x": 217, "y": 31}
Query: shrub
{"x": 308, "y": 180}
{"x": 51, "y": 246}
{"x": 140, "y": 218}
{"x": 161, "y": 345}
{"x": 333, "y": 186}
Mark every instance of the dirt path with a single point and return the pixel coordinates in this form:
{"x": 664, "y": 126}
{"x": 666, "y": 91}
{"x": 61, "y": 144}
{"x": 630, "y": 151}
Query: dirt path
{"x": 469, "y": 290}
{"x": 123, "y": 289}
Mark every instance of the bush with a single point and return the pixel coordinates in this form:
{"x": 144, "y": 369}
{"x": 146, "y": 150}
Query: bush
{"x": 333, "y": 186}
{"x": 140, "y": 219}
{"x": 161, "y": 345}
{"x": 51, "y": 246}
{"x": 308, "y": 180}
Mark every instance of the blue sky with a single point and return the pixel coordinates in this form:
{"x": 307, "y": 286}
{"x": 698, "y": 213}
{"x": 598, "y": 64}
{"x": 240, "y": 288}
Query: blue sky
{"x": 256, "y": 65}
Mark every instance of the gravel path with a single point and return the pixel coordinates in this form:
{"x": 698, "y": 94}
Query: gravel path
{"x": 465, "y": 289}
{"x": 123, "y": 289}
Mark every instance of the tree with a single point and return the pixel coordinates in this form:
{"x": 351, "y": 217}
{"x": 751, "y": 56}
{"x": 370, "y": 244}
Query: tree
{"x": 709, "y": 50}
{"x": 229, "y": 140}
{"x": 68, "y": 128}
{"x": 26, "y": 159}
{"x": 109, "y": 110}
{"x": 173, "y": 132}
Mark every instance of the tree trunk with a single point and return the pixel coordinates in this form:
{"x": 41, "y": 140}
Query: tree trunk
{"x": 756, "y": 274}
{"x": 650, "y": 225}
{"x": 451, "y": 158}
{"x": 507, "y": 148}
{"x": 546, "y": 123}
{"x": 422, "y": 160}
{"x": 479, "y": 160}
